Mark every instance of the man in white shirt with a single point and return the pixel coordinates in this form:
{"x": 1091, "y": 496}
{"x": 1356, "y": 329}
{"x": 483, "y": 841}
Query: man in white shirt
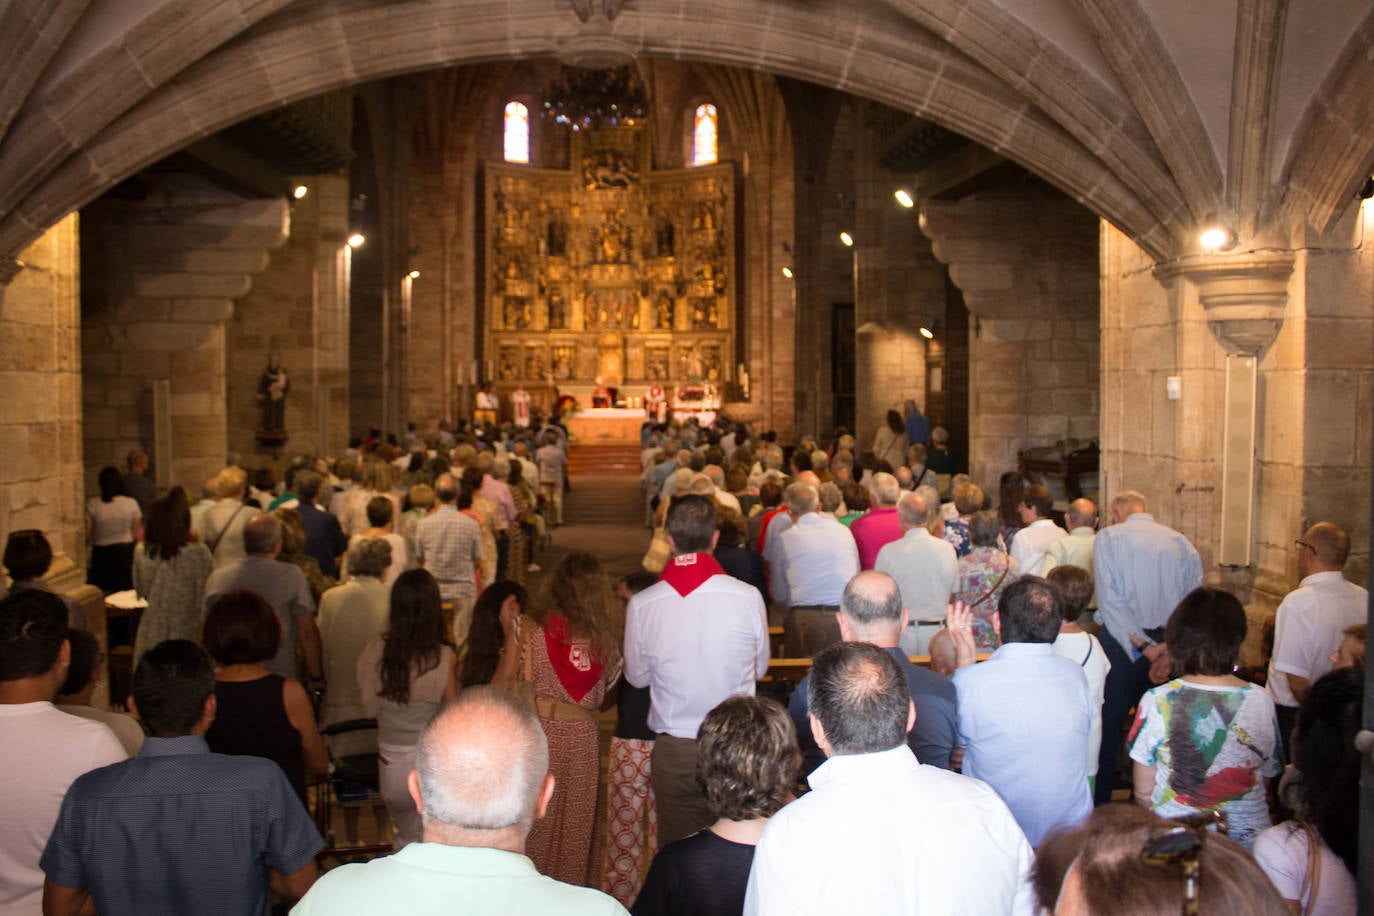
{"x": 1312, "y": 619}
{"x": 880, "y": 833}
{"x": 1029, "y": 546}
{"x": 925, "y": 567}
{"x": 695, "y": 638}
{"x": 45, "y": 749}
{"x": 819, "y": 558}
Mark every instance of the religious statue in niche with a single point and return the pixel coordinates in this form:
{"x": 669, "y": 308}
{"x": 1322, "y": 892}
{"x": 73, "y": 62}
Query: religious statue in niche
{"x": 518, "y": 314}
{"x": 663, "y": 311}
{"x": 689, "y": 363}
{"x": 562, "y": 363}
{"x": 534, "y": 363}
{"x": 710, "y": 363}
{"x": 657, "y": 369}
{"x": 701, "y": 313}
{"x": 272, "y": 388}
{"x": 609, "y": 169}
{"x": 557, "y": 235}
{"x": 558, "y": 308}
{"x": 663, "y": 235}
{"x": 506, "y": 365}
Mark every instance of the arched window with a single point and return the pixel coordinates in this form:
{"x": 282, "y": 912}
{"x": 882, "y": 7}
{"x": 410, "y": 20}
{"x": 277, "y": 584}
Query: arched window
{"x": 704, "y": 134}
{"x": 517, "y": 132}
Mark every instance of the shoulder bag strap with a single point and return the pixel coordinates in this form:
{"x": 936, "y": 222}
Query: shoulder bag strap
{"x": 225, "y": 530}
{"x": 1312, "y": 880}
{"x": 989, "y": 593}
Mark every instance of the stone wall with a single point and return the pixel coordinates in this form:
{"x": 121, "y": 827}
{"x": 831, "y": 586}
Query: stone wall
{"x": 161, "y": 276}
{"x": 40, "y": 414}
{"x": 1026, "y": 259}
{"x": 297, "y": 310}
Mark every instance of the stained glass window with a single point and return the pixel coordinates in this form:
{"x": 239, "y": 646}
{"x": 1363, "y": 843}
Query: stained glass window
{"x": 704, "y": 135}
{"x": 517, "y": 133}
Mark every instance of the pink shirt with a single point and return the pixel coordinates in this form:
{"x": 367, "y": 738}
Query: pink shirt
{"x": 872, "y": 530}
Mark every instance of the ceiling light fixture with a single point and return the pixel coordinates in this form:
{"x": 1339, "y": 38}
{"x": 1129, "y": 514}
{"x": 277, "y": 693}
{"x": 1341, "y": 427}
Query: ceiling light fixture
{"x": 847, "y": 239}
{"x": 1216, "y": 235}
{"x": 300, "y": 191}
{"x": 904, "y": 198}
{"x": 787, "y": 272}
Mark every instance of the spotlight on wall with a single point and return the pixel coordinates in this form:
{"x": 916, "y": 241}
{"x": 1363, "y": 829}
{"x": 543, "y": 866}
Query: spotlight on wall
{"x": 413, "y": 275}
{"x": 300, "y": 191}
{"x": 847, "y": 239}
{"x": 1216, "y": 235}
{"x": 904, "y": 198}
{"x": 927, "y": 333}
{"x": 356, "y": 240}
{"x": 787, "y": 272}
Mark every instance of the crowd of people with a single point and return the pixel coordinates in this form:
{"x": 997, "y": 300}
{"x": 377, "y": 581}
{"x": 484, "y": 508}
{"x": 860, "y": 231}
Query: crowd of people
{"x": 979, "y": 674}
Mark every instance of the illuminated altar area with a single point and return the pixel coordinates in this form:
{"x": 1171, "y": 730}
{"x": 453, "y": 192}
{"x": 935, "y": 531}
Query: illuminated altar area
{"x": 609, "y": 273}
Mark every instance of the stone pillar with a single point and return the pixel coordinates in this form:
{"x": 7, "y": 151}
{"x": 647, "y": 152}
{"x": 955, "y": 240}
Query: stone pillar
{"x": 40, "y": 414}
{"x": 1026, "y": 260}
{"x": 162, "y": 274}
{"x": 297, "y": 310}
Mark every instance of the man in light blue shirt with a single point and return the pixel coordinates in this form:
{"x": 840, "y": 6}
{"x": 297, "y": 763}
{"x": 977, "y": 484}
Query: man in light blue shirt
{"x": 481, "y": 777}
{"x": 1142, "y": 570}
{"x": 1025, "y": 715}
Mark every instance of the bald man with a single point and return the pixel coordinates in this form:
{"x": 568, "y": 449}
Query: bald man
{"x": 1077, "y": 548}
{"x": 1312, "y": 619}
{"x": 481, "y": 778}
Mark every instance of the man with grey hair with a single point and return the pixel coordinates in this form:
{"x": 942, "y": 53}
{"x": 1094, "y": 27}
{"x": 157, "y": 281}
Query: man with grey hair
{"x": 283, "y": 586}
{"x": 716, "y": 474}
{"x": 880, "y": 526}
{"x": 871, "y": 611}
{"x": 1141, "y": 570}
{"x": 481, "y": 778}
{"x": 818, "y": 557}
{"x": 924, "y": 566}
{"x": 879, "y": 833}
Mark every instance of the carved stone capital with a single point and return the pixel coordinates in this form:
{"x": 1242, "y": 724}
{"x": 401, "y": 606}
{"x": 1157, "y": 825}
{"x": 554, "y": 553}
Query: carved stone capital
{"x": 593, "y": 46}
{"x": 9, "y": 269}
{"x": 1244, "y": 294}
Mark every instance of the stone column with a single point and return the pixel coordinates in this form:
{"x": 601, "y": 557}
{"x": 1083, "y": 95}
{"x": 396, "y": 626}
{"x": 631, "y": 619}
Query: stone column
{"x": 1025, "y": 258}
{"x": 162, "y": 274}
{"x": 40, "y": 413}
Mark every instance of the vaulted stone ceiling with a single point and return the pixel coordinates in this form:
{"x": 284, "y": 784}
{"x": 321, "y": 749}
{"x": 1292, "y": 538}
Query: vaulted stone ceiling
{"x": 1153, "y": 113}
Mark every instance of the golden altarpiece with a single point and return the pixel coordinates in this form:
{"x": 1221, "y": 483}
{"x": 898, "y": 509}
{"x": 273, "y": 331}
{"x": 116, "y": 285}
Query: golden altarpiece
{"x": 610, "y": 272}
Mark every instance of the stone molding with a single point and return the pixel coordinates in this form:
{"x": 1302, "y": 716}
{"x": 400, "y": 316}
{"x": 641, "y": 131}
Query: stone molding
{"x": 1244, "y": 295}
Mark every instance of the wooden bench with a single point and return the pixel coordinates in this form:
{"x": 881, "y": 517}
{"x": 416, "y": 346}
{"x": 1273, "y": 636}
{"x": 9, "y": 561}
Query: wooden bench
{"x": 794, "y": 669}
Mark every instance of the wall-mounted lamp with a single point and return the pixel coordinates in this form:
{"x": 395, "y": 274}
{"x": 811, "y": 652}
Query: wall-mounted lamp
{"x": 847, "y": 239}
{"x": 300, "y": 191}
{"x": 1216, "y": 235}
{"x": 927, "y": 333}
{"x": 787, "y": 272}
{"x": 356, "y": 240}
{"x": 413, "y": 275}
{"x": 904, "y": 198}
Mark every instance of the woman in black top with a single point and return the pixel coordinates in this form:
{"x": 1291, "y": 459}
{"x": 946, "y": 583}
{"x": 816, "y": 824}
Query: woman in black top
{"x": 258, "y": 713}
{"x": 748, "y": 763}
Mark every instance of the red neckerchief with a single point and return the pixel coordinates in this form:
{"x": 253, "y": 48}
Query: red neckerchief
{"x": 572, "y": 659}
{"x": 686, "y": 572}
{"x": 763, "y": 528}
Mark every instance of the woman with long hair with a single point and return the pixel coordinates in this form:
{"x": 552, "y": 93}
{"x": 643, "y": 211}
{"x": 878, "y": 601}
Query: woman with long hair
{"x": 1206, "y": 742}
{"x": 569, "y": 653}
{"x": 258, "y": 713}
{"x": 890, "y": 442}
{"x": 112, "y": 527}
{"x": 404, "y": 676}
{"x": 169, "y": 573}
{"x": 1311, "y": 859}
{"x": 495, "y": 618}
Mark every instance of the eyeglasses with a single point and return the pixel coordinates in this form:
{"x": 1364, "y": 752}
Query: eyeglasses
{"x": 1300, "y": 544}
{"x": 1180, "y": 845}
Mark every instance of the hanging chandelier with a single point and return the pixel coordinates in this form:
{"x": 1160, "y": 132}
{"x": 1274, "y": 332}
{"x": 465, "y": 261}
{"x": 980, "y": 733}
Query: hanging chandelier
{"x": 585, "y": 99}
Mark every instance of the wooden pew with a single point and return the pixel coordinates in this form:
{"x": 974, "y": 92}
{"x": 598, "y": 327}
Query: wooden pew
{"x": 794, "y": 669}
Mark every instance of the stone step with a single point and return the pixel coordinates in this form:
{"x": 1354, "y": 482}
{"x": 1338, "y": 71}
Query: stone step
{"x": 615, "y": 460}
